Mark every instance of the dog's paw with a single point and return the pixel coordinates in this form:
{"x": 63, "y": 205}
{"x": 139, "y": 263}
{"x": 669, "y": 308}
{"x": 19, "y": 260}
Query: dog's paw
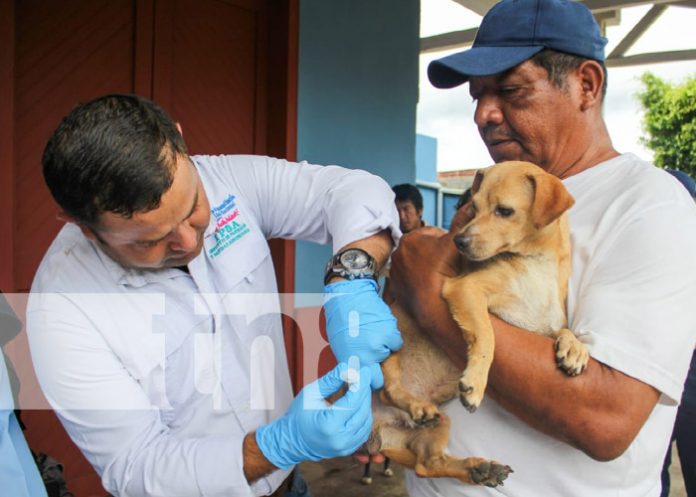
{"x": 571, "y": 354}
{"x": 425, "y": 413}
{"x": 471, "y": 391}
{"x": 490, "y": 473}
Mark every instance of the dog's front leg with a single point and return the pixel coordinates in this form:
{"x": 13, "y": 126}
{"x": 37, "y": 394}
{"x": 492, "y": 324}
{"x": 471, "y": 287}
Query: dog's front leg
{"x": 468, "y": 303}
{"x": 571, "y": 354}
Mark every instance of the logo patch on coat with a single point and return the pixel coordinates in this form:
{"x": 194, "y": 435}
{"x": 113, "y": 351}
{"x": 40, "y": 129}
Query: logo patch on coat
{"x": 228, "y": 227}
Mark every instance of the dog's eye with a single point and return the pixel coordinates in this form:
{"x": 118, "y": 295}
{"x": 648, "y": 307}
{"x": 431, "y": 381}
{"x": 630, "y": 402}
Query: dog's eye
{"x": 504, "y": 211}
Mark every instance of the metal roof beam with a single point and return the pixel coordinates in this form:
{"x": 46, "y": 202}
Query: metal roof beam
{"x": 478, "y": 6}
{"x": 602, "y": 5}
{"x": 638, "y": 30}
{"x": 482, "y": 6}
{"x": 607, "y": 18}
{"x": 651, "y": 58}
{"x": 606, "y": 11}
{"x": 444, "y": 41}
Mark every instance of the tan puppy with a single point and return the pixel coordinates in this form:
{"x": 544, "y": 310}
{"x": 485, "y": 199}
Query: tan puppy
{"x": 516, "y": 260}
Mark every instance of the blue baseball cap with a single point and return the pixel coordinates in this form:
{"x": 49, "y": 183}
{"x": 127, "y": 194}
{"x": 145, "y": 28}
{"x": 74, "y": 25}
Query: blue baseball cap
{"x": 513, "y": 31}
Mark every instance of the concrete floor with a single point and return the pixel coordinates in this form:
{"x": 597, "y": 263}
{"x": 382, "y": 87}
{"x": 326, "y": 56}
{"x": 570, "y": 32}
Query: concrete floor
{"x": 676, "y": 479}
{"x": 341, "y": 478}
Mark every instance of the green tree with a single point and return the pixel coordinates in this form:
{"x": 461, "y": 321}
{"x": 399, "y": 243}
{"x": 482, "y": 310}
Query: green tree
{"x": 669, "y": 122}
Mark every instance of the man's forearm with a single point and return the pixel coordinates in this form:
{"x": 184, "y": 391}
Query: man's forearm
{"x": 255, "y": 463}
{"x": 379, "y": 246}
{"x": 599, "y": 411}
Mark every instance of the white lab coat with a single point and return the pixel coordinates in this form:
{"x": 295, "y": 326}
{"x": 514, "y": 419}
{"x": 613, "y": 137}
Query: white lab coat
{"x": 150, "y": 372}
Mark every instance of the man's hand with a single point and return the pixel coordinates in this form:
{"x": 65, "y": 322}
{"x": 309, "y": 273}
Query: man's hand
{"x": 312, "y": 430}
{"x": 424, "y": 259}
{"x": 360, "y": 326}
{"x": 462, "y": 217}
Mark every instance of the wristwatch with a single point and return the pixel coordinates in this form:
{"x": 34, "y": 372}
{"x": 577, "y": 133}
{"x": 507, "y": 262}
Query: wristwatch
{"x": 351, "y": 264}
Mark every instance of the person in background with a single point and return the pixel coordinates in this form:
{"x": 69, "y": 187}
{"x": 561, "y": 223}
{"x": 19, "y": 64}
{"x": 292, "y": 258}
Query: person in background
{"x": 19, "y": 475}
{"x": 537, "y": 76}
{"x": 685, "y": 425}
{"x": 409, "y": 204}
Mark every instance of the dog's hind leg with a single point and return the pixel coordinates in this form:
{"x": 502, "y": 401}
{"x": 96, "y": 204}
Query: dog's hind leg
{"x": 422, "y": 411}
{"x": 471, "y": 470}
{"x": 424, "y": 451}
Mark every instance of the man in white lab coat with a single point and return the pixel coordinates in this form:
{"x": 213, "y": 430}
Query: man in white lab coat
{"x": 154, "y": 322}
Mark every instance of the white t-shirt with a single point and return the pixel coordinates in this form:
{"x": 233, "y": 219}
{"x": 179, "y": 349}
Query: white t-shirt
{"x": 158, "y": 375}
{"x": 631, "y": 300}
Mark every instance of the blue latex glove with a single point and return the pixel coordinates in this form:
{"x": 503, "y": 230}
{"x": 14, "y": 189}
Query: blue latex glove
{"x": 360, "y": 326}
{"x": 312, "y": 430}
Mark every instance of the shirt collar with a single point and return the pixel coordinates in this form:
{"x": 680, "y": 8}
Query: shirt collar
{"x": 135, "y": 278}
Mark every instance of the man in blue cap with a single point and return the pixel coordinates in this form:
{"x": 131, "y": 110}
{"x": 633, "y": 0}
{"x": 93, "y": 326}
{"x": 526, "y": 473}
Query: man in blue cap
{"x": 537, "y": 76}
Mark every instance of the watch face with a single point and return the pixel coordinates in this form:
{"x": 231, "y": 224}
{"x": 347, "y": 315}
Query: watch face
{"x": 354, "y": 259}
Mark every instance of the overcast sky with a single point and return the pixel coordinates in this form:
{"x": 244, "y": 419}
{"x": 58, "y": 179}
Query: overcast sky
{"x": 448, "y": 114}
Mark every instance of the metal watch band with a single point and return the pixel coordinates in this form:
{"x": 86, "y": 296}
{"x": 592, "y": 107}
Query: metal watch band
{"x": 336, "y": 268}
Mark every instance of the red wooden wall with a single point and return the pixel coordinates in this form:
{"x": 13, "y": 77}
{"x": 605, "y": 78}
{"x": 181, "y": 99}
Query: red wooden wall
{"x": 225, "y": 69}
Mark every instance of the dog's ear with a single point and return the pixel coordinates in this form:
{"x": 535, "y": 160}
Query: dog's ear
{"x": 478, "y": 179}
{"x": 551, "y": 199}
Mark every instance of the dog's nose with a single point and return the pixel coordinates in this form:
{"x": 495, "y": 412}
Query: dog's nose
{"x": 462, "y": 242}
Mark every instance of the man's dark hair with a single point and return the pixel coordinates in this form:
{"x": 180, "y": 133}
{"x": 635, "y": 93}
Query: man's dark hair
{"x": 559, "y": 64}
{"x": 113, "y": 154}
{"x": 463, "y": 199}
{"x": 409, "y": 192}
